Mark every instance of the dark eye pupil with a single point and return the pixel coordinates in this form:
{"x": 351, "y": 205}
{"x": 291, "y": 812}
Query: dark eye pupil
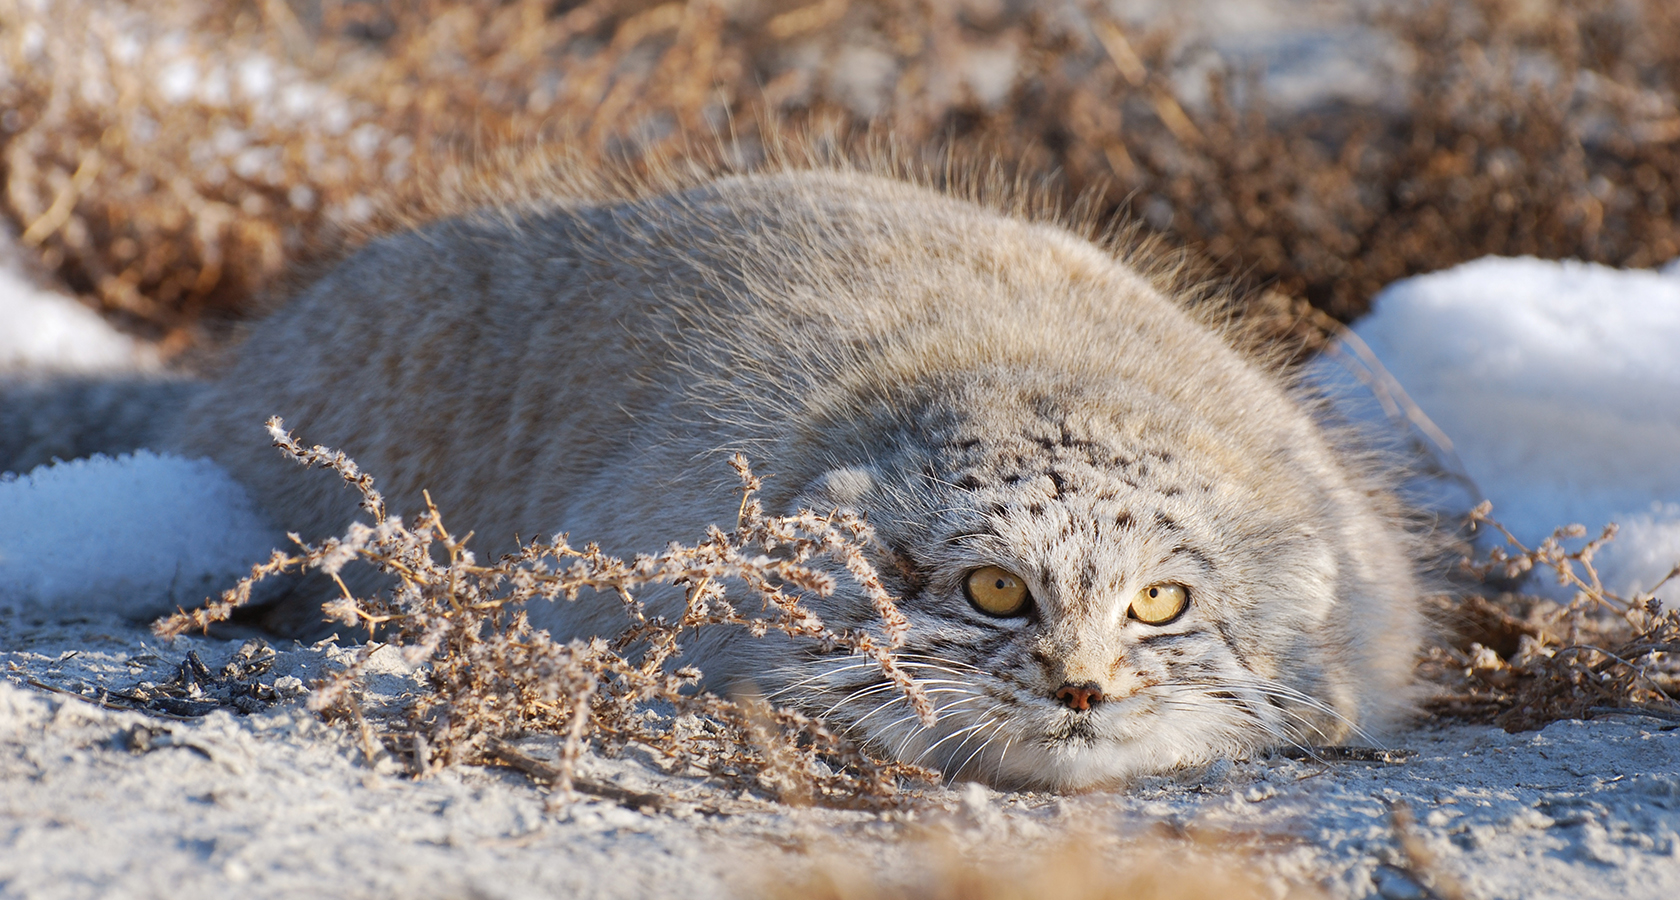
{"x": 1154, "y": 592}
{"x": 1001, "y": 584}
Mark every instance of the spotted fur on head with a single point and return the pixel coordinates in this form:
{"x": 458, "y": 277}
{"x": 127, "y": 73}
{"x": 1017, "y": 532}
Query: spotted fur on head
{"x": 1296, "y": 631}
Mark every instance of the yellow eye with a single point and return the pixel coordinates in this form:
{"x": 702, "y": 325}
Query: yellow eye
{"x": 997, "y": 592}
{"x": 1159, "y": 604}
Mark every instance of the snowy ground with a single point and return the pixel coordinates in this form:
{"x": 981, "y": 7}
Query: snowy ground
{"x": 105, "y": 803}
{"x": 46, "y": 333}
{"x": 101, "y": 802}
{"x": 1553, "y": 389}
{"x": 96, "y": 802}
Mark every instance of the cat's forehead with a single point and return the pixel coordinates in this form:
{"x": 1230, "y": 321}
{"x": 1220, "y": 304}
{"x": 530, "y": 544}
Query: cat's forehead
{"x": 1061, "y": 461}
{"x": 1077, "y": 515}
{"x": 1116, "y": 477}
{"x": 1059, "y": 491}
{"x": 1067, "y": 500}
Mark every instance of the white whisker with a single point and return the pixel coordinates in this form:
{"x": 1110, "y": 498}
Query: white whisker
{"x": 995, "y": 724}
{"x": 961, "y": 731}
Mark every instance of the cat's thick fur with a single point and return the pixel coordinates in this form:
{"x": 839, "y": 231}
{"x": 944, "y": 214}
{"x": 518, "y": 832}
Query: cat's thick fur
{"x": 990, "y": 391}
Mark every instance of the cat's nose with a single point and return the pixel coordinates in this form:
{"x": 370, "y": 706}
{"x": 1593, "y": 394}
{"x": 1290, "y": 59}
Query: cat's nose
{"x": 1079, "y": 696}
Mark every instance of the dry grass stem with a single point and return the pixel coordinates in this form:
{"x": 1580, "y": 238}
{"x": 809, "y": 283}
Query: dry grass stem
{"x": 494, "y": 677}
{"x": 1524, "y": 661}
{"x": 1072, "y": 866}
{"x": 1421, "y": 863}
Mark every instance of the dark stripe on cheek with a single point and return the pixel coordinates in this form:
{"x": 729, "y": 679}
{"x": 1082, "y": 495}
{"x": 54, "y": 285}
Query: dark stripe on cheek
{"x": 1231, "y": 644}
{"x": 1237, "y": 701}
{"x": 967, "y": 648}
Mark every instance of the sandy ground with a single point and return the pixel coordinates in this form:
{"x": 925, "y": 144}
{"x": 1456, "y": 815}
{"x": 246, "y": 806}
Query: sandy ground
{"x": 97, "y": 802}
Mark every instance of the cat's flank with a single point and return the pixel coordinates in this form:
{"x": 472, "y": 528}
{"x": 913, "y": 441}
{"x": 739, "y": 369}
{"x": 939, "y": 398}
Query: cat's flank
{"x": 1123, "y": 546}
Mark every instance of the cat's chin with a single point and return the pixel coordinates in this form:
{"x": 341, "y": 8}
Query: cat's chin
{"x": 1074, "y": 759}
{"x": 1078, "y": 764}
{"x": 1062, "y": 752}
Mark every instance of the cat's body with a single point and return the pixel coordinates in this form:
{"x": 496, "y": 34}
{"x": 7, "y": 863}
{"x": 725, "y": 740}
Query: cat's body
{"x": 991, "y": 392}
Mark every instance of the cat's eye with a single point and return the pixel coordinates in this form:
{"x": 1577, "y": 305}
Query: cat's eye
{"x": 1159, "y": 604}
{"x": 997, "y": 592}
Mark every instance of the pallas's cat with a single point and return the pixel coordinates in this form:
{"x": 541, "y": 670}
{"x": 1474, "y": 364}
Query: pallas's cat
{"x": 1123, "y": 545}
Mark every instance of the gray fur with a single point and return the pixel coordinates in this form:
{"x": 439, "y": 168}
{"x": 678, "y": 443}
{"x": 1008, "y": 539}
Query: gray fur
{"x": 989, "y": 390}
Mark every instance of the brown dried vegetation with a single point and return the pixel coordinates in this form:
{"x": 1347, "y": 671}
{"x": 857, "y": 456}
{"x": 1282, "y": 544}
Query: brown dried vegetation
{"x": 1523, "y": 661}
{"x": 1078, "y": 866}
{"x": 168, "y": 158}
{"x": 493, "y": 677}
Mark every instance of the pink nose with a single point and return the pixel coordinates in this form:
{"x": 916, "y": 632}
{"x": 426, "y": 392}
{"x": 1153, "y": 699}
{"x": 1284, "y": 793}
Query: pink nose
{"x": 1080, "y": 696}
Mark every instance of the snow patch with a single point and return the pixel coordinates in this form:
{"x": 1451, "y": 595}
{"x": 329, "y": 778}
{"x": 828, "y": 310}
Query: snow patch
{"x": 47, "y": 332}
{"x": 1558, "y": 385}
{"x": 136, "y": 535}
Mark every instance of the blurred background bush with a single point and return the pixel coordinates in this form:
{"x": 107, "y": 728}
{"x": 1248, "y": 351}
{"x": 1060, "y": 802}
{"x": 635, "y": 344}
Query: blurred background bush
{"x": 169, "y": 159}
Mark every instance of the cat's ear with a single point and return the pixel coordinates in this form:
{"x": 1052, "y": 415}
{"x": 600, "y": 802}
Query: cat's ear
{"x": 844, "y": 487}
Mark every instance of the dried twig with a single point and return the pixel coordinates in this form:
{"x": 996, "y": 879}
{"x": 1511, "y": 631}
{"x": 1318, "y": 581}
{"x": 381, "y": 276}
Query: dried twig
{"x": 558, "y": 775}
{"x": 1598, "y": 652}
{"x": 494, "y": 676}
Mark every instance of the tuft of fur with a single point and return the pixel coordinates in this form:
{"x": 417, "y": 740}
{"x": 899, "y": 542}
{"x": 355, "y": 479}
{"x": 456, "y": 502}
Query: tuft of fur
{"x": 987, "y": 387}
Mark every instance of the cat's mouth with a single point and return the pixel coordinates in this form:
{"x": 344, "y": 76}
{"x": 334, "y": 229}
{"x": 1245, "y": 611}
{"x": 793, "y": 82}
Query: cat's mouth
{"x": 1073, "y": 729}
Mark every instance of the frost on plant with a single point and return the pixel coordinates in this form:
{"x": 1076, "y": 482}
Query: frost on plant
{"x": 494, "y": 677}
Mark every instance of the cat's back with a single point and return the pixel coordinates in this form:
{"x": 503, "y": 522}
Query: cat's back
{"x": 503, "y": 358}
{"x": 588, "y": 366}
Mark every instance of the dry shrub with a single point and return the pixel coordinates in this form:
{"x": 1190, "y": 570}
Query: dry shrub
{"x": 1523, "y": 661}
{"x": 1547, "y": 127}
{"x": 494, "y": 677}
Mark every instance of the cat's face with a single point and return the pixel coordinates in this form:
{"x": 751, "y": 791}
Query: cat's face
{"x": 1089, "y": 600}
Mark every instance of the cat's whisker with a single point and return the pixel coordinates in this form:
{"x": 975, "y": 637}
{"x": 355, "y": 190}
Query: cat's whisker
{"x": 858, "y": 695}
{"x": 865, "y": 717}
{"x": 853, "y": 663}
{"x": 1267, "y": 687}
{"x": 913, "y": 659}
{"x": 1259, "y": 714}
{"x": 904, "y": 660}
{"x": 1224, "y": 721}
{"x": 1285, "y": 691}
{"x": 1303, "y": 719}
{"x": 900, "y": 698}
{"x": 959, "y": 732}
{"x": 826, "y": 673}
{"x": 997, "y": 765}
{"x": 928, "y": 685}
{"x": 907, "y": 654}
{"x": 997, "y": 727}
{"x": 994, "y": 723}
{"x": 1312, "y": 703}
{"x": 986, "y": 718}
{"x": 909, "y": 736}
